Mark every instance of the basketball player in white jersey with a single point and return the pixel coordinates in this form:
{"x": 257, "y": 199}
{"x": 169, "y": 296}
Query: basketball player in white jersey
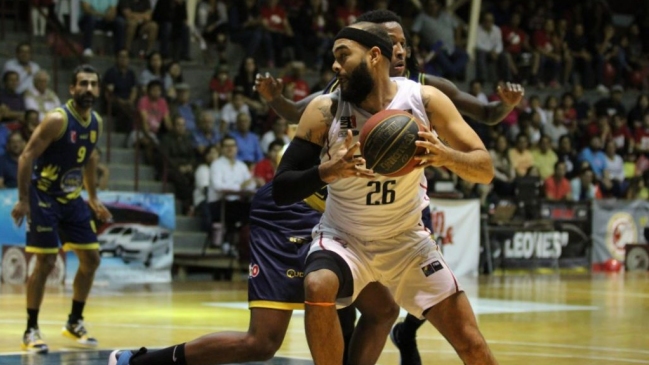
{"x": 371, "y": 229}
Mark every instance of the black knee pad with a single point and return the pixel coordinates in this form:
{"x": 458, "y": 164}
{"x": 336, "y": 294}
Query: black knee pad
{"x": 333, "y": 262}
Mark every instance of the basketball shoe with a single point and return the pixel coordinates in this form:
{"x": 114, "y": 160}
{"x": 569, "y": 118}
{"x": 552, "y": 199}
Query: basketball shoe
{"x": 78, "y": 332}
{"x": 123, "y": 357}
{"x": 33, "y": 343}
{"x": 407, "y": 346}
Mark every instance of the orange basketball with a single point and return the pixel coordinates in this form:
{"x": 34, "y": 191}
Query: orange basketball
{"x": 388, "y": 142}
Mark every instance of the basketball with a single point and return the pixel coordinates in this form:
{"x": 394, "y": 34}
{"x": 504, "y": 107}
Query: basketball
{"x": 388, "y": 142}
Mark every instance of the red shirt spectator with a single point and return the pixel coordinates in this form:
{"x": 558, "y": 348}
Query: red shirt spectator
{"x": 542, "y": 40}
{"x": 514, "y": 38}
{"x": 156, "y": 110}
{"x": 274, "y": 16}
{"x": 264, "y": 170}
{"x": 347, "y": 14}
{"x": 556, "y": 190}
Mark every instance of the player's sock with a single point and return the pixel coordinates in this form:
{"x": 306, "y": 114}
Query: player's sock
{"x": 77, "y": 311}
{"x": 32, "y": 319}
{"x": 174, "y": 355}
{"x": 410, "y": 326}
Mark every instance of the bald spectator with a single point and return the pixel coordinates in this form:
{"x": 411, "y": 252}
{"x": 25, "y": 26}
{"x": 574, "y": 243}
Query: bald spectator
{"x": 9, "y": 162}
{"x": 12, "y": 104}
{"x": 277, "y": 132}
{"x": 40, "y": 97}
{"x": 23, "y": 65}
{"x": 207, "y": 132}
{"x": 138, "y": 15}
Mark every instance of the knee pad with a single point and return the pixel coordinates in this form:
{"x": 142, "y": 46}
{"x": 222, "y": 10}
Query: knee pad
{"x": 333, "y": 262}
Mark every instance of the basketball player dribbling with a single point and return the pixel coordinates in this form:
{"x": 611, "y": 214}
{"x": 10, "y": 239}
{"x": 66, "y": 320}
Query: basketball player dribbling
{"x": 355, "y": 243}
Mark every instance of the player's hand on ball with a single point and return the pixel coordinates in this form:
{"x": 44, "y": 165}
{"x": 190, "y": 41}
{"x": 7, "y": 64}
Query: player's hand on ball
{"x": 19, "y": 212}
{"x": 511, "y": 94}
{"x": 268, "y": 87}
{"x": 437, "y": 153}
{"x": 344, "y": 163}
{"x": 100, "y": 210}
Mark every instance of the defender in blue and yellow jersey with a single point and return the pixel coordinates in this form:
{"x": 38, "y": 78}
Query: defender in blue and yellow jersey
{"x": 59, "y": 159}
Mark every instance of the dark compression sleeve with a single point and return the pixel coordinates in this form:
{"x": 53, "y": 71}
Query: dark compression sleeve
{"x": 297, "y": 175}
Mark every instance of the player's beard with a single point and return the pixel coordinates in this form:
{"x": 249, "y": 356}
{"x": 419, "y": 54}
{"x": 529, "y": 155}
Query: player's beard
{"x": 359, "y": 85}
{"x": 85, "y": 100}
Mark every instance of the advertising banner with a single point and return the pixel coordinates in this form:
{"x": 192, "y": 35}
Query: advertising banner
{"x": 136, "y": 246}
{"x": 616, "y": 224}
{"x": 456, "y": 227}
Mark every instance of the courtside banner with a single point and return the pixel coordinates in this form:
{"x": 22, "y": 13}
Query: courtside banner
{"x": 617, "y": 223}
{"x": 136, "y": 247}
{"x": 456, "y": 226}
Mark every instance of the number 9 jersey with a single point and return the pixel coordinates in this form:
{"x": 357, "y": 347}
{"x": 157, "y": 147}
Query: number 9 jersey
{"x": 58, "y": 172}
{"x": 384, "y": 206}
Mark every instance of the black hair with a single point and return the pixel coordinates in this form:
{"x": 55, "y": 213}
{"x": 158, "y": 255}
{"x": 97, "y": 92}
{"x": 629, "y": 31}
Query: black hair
{"x": 378, "y": 16}
{"x": 23, "y": 44}
{"x": 153, "y": 83}
{"x": 277, "y": 142}
{"x": 85, "y": 68}
{"x": 228, "y": 136}
{"x": 5, "y": 76}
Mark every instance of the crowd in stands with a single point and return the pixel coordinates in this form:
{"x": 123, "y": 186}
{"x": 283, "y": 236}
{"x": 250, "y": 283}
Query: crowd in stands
{"x": 222, "y": 147}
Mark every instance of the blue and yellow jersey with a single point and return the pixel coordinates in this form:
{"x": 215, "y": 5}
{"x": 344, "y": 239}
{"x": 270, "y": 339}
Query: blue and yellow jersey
{"x": 416, "y": 77}
{"x": 59, "y": 170}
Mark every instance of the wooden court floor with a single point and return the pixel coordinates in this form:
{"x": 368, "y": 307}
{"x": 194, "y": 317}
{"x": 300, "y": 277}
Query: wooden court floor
{"x": 527, "y": 319}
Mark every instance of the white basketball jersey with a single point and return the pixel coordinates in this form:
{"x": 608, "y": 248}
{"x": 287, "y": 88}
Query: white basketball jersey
{"x": 384, "y": 206}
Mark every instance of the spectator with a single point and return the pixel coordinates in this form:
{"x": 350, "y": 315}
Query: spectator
{"x": 173, "y": 77}
{"x": 582, "y": 106}
{"x": 504, "y": 173}
{"x": 9, "y": 162}
{"x": 594, "y": 156}
{"x": 101, "y": 14}
{"x": 265, "y": 170}
{"x": 121, "y": 86}
{"x": 139, "y": 21}
{"x": 535, "y": 105}
{"x": 207, "y": 133}
{"x": 439, "y": 31}
{"x": 516, "y": 44}
{"x": 636, "y": 115}
{"x": 641, "y": 136}
{"x": 23, "y": 66}
{"x": 277, "y": 132}
{"x": 568, "y": 155}
{"x": 245, "y": 81}
{"x": 154, "y": 113}
{"x": 556, "y": 186}
{"x": 39, "y": 12}
{"x": 231, "y": 110}
{"x": 314, "y": 32}
{"x": 171, "y": 17}
{"x": 246, "y": 28}
{"x": 202, "y": 185}
{"x": 613, "y": 104}
{"x": 326, "y": 75}
{"x": 475, "y": 89}
{"x": 40, "y": 97}
{"x": 177, "y": 147}
{"x": 214, "y": 23}
{"x": 637, "y": 189}
{"x": 27, "y": 127}
{"x": 545, "y": 158}
{"x": 614, "y": 163}
{"x": 222, "y": 86}
{"x": 346, "y": 14}
{"x": 103, "y": 173}
{"x": 295, "y": 75}
{"x": 583, "y": 59}
{"x": 248, "y": 148}
{"x": 230, "y": 181}
{"x": 547, "y": 56}
{"x": 584, "y": 187}
{"x": 275, "y": 21}
{"x": 568, "y": 105}
{"x": 621, "y": 135}
{"x": 12, "y": 104}
{"x": 153, "y": 70}
{"x": 551, "y": 103}
{"x": 557, "y": 128}
{"x": 606, "y": 54}
{"x": 489, "y": 52}
{"x": 520, "y": 156}
{"x": 186, "y": 109}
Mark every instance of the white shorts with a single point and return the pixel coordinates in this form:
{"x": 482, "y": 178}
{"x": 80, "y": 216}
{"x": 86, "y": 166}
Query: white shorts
{"x": 410, "y": 265}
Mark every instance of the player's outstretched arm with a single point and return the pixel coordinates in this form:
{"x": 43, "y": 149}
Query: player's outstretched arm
{"x": 48, "y": 131}
{"x": 457, "y": 147}
{"x": 492, "y": 113}
{"x": 299, "y": 173}
{"x": 270, "y": 90}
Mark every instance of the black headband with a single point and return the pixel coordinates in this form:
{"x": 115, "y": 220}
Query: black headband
{"x": 367, "y": 39}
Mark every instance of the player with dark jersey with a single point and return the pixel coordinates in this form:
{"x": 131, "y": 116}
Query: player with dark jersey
{"x": 59, "y": 159}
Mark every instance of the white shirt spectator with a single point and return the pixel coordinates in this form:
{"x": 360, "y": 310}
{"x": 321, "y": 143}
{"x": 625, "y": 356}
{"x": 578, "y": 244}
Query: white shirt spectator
{"x": 41, "y": 102}
{"x": 225, "y": 175}
{"x": 25, "y": 74}
{"x": 554, "y": 132}
{"x": 615, "y": 167}
{"x": 201, "y": 181}
{"x": 229, "y": 115}
{"x": 489, "y": 41}
{"x": 268, "y": 138}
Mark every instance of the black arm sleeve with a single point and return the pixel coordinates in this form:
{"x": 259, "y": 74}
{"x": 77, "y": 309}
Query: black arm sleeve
{"x": 297, "y": 175}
